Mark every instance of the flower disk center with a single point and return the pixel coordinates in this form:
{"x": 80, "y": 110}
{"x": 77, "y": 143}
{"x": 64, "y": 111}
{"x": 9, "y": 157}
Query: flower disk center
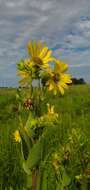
{"x": 56, "y": 77}
{"x": 37, "y": 60}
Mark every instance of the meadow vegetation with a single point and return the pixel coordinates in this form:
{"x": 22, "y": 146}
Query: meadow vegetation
{"x": 70, "y": 138}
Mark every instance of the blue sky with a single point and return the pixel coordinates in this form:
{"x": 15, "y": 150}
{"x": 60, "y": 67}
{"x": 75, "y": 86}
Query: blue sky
{"x": 63, "y": 24}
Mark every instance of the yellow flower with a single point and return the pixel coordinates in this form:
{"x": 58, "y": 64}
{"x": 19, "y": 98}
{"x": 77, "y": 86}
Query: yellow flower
{"x": 56, "y": 161}
{"x": 40, "y": 54}
{"x": 17, "y": 136}
{"x": 25, "y": 65}
{"x": 51, "y": 110}
{"x": 25, "y": 70}
{"x": 78, "y": 177}
{"x": 58, "y": 80}
{"x": 55, "y": 164}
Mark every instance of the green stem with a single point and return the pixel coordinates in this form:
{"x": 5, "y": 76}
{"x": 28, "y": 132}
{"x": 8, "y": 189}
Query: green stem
{"x": 37, "y": 100}
{"x": 34, "y": 180}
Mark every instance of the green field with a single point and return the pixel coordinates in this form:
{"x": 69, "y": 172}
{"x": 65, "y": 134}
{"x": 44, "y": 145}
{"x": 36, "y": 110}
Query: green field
{"x": 74, "y": 108}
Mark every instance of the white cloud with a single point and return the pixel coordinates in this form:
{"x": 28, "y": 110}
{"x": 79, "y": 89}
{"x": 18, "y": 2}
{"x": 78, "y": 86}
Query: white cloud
{"x": 43, "y": 5}
{"x": 58, "y": 22}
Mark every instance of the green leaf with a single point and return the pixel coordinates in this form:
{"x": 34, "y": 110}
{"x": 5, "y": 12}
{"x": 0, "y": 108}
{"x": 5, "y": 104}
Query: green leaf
{"x": 29, "y": 180}
{"x": 26, "y": 144}
{"x": 35, "y": 155}
{"x": 39, "y": 181}
{"x": 11, "y": 188}
{"x": 65, "y": 179}
{"x": 44, "y": 181}
{"x": 84, "y": 186}
{"x": 26, "y": 169}
{"x": 31, "y": 122}
{"x": 27, "y": 136}
{"x": 58, "y": 187}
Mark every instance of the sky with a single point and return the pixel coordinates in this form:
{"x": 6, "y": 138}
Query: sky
{"x": 63, "y": 24}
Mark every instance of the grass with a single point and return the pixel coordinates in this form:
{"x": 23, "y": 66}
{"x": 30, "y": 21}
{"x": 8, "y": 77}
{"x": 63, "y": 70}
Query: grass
{"x": 74, "y": 108}
{"x": 10, "y": 166}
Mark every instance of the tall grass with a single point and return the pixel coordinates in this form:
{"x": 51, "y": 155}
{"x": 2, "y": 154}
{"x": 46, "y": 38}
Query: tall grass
{"x": 74, "y": 108}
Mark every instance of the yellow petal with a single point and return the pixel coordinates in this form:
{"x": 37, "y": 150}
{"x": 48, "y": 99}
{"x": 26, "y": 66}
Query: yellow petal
{"x": 50, "y": 73}
{"x": 64, "y": 67}
{"x": 52, "y": 110}
{"x": 55, "y": 91}
{"x": 26, "y": 61}
{"x": 63, "y": 84}
{"x": 48, "y": 55}
{"x": 48, "y": 106}
{"x": 50, "y": 59}
{"x": 23, "y": 81}
{"x": 30, "y": 48}
{"x": 39, "y": 46}
{"x": 66, "y": 78}
{"x": 35, "y": 48}
{"x": 57, "y": 68}
{"x": 17, "y": 136}
{"x": 30, "y": 64}
{"x": 51, "y": 87}
{"x": 23, "y": 73}
{"x": 43, "y": 52}
{"x": 45, "y": 66}
{"x": 61, "y": 89}
{"x": 61, "y": 66}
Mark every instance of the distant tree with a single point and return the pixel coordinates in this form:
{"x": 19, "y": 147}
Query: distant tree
{"x": 78, "y": 81}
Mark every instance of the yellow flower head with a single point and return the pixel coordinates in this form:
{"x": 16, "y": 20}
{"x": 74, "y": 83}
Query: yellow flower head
{"x": 51, "y": 110}
{"x": 25, "y": 68}
{"x": 56, "y": 161}
{"x": 17, "y": 136}
{"x": 58, "y": 79}
{"x": 55, "y": 164}
{"x": 40, "y": 54}
{"x": 78, "y": 177}
{"x": 39, "y": 58}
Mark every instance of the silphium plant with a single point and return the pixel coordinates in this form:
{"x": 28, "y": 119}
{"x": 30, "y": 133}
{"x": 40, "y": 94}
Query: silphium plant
{"x": 37, "y": 160}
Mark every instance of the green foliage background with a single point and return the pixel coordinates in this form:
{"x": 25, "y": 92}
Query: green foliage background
{"x": 74, "y": 108}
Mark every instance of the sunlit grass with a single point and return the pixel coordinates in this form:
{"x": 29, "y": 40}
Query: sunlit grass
{"x": 74, "y": 109}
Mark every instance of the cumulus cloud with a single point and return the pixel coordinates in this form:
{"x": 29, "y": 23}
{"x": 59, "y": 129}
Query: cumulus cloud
{"x": 63, "y": 24}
